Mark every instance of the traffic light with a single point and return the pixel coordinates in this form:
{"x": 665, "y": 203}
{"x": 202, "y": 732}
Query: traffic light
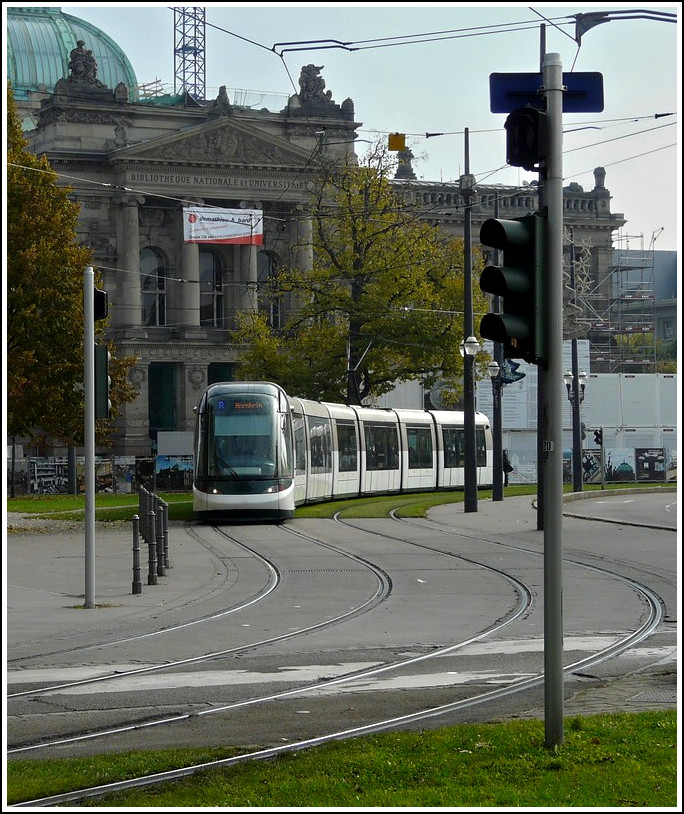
{"x": 526, "y": 138}
{"x": 519, "y": 282}
{"x": 101, "y": 304}
{"x": 598, "y": 437}
{"x": 102, "y": 382}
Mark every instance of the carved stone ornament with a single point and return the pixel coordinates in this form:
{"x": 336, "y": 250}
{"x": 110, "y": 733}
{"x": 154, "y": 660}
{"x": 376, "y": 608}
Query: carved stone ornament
{"x": 82, "y": 81}
{"x": 121, "y": 93}
{"x": 120, "y": 134}
{"x": 137, "y": 376}
{"x": 221, "y": 105}
{"x": 97, "y": 238}
{"x": 221, "y": 145}
{"x": 196, "y": 377}
{"x": 312, "y": 85}
{"x": 151, "y": 216}
{"x": 313, "y": 99}
{"x": 82, "y": 66}
{"x": 54, "y": 113}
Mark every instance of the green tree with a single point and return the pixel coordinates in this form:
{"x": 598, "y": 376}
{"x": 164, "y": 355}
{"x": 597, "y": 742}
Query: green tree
{"x": 652, "y": 355}
{"x": 382, "y": 303}
{"x": 45, "y": 269}
{"x": 666, "y": 356}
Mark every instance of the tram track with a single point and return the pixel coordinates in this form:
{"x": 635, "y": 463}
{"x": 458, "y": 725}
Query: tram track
{"x": 368, "y": 729}
{"x": 649, "y": 622}
{"x": 382, "y": 590}
{"x": 384, "y": 587}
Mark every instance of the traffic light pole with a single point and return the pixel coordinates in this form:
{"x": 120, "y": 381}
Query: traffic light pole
{"x": 552, "y": 414}
{"x": 577, "y": 396}
{"x": 89, "y": 431}
{"x": 497, "y": 474}
{"x": 470, "y": 451}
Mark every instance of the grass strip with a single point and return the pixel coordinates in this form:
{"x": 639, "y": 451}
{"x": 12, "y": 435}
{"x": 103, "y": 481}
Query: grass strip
{"x": 624, "y": 759}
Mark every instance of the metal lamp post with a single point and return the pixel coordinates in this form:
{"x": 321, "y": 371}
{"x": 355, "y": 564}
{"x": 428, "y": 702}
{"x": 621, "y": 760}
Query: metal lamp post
{"x": 469, "y": 348}
{"x": 575, "y": 385}
{"x": 497, "y": 472}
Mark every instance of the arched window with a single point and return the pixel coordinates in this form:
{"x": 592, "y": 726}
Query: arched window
{"x": 269, "y": 299}
{"x": 211, "y": 270}
{"x": 153, "y": 287}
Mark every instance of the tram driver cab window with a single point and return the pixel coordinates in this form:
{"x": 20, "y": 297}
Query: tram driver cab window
{"x": 245, "y": 454}
{"x": 222, "y": 455}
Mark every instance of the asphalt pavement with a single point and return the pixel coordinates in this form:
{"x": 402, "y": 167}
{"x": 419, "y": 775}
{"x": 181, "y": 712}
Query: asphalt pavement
{"x": 45, "y": 588}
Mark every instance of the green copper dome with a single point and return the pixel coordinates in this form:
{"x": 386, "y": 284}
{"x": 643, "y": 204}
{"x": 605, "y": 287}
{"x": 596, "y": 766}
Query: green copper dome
{"x": 39, "y": 41}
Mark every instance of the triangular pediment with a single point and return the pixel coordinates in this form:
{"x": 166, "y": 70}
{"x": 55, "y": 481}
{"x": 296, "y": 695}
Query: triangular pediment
{"x": 224, "y": 141}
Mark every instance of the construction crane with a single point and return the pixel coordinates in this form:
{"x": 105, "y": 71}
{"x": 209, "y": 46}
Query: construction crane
{"x": 189, "y": 34}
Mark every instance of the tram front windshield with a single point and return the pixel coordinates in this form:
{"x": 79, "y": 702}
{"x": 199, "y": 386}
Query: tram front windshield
{"x": 243, "y": 437}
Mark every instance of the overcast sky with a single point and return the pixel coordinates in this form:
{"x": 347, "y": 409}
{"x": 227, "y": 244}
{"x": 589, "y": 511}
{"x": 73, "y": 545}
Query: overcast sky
{"x": 424, "y": 68}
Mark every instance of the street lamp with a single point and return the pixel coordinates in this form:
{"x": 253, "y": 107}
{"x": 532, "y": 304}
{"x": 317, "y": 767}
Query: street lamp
{"x": 497, "y": 471}
{"x": 469, "y": 348}
{"x": 575, "y": 385}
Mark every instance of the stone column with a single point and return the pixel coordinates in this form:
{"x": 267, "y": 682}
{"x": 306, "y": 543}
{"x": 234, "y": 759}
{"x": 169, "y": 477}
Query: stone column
{"x": 247, "y": 276}
{"x": 304, "y": 238}
{"x": 189, "y": 306}
{"x": 126, "y": 310}
{"x": 301, "y": 241}
{"x": 190, "y": 290}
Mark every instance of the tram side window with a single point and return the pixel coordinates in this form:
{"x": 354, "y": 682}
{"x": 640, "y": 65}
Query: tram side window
{"x": 201, "y": 447}
{"x": 453, "y": 447}
{"x": 382, "y": 447}
{"x": 346, "y": 436}
{"x": 481, "y": 447}
{"x": 419, "y": 447}
{"x": 300, "y": 444}
{"x": 284, "y": 447}
{"x": 320, "y": 442}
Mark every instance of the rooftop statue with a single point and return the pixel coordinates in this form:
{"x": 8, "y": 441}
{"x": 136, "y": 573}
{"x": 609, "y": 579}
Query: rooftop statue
{"x": 83, "y": 66}
{"x": 312, "y": 85}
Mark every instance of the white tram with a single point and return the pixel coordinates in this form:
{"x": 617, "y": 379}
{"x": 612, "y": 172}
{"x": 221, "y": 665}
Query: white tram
{"x": 259, "y": 452}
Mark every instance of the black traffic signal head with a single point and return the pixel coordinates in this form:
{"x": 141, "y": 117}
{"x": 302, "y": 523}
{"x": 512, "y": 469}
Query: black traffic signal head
{"x": 101, "y": 304}
{"x": 102, "y": 382}
{"x": 526, "y": 138}
{"x": 598, "y": 437}
{"x": 518, "y": 282}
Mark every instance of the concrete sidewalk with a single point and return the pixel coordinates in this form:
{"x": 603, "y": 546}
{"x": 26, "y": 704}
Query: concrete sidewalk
{"x": 45, "y": 583}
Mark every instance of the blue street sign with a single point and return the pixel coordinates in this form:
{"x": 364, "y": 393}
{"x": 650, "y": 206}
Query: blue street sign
{"x": 509, "y": 372}
{"x": 508, "y": 91}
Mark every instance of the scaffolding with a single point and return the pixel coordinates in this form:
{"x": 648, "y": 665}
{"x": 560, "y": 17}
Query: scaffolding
{"x": 622, "y": 312}
{"x": 189, "y": 36}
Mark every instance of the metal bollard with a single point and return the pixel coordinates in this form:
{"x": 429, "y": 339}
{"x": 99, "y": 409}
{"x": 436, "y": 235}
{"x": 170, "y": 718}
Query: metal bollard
{"x": 152, "y": 552}
{"x": 166, "y": 534}
{"x": 137, "y": 585}
{"x": 149, "y": 507}
{"x": 144, "y": 511}
{"x": 161, "y": 570}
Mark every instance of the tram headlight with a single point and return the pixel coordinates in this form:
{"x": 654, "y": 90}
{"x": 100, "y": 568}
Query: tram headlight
{"x": 278, "y": 486}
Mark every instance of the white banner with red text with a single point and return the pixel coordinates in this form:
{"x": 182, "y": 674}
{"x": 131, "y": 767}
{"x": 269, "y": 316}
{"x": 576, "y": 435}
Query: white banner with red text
{"x": 214, "y": 225}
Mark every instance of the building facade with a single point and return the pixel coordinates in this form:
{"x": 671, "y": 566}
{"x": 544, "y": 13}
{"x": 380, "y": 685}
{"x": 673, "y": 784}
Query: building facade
{"x": 135, "y": 164}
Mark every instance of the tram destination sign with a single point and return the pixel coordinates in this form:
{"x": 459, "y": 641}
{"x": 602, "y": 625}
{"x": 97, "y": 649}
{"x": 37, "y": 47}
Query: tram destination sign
{"x": 583, "y": 92}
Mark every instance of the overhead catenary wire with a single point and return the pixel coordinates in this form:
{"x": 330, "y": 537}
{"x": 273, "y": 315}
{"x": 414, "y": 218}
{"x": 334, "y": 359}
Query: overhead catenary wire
{"x": 559, "y": 22}
{"x": 481, "y": 176}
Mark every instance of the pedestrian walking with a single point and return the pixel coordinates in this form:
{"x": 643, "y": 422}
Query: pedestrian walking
{"x": 507, "y": 466}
